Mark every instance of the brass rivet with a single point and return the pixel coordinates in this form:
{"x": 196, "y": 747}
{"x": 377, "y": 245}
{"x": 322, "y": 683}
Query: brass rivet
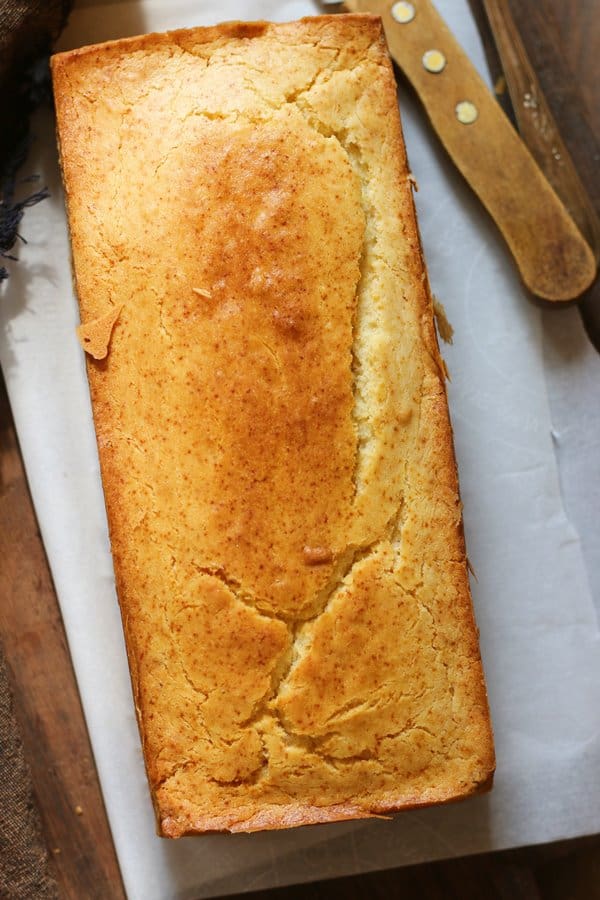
{"x": 434, "y": 61}
{"x": 466, "y": 112}
{"x": 403, "y": 12}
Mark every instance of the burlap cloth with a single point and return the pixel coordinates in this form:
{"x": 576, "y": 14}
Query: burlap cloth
{"x": 24, "y": 870}
{"x": 28, "y": 29}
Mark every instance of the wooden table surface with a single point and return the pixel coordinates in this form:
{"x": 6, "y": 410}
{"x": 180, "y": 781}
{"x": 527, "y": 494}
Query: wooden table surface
{"x": 46, "y": 699}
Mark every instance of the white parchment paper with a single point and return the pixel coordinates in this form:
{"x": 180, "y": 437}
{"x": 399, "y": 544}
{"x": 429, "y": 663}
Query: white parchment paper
{"x": 527, "y": 425}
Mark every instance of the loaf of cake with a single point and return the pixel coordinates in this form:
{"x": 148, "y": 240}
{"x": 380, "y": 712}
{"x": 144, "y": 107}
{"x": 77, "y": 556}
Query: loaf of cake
{"x": 272, "y": 425}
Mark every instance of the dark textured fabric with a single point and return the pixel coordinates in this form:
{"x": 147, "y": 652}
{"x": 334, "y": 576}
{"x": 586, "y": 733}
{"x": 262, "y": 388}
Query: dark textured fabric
{"x": 24, "y": 871}
{"x": 28, "y": 29}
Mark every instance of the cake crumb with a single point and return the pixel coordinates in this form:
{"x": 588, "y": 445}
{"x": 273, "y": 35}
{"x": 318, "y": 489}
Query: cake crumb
{"x": 445, "y": 329}
{"x": 203, "y": 292}
{"x": 95, "y": 336}
{"x": 317, "y": 556}
{"x": 471, "y": 569}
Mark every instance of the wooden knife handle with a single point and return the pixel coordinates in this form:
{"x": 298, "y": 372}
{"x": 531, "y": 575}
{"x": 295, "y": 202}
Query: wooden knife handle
{"x": 553, "y": 258}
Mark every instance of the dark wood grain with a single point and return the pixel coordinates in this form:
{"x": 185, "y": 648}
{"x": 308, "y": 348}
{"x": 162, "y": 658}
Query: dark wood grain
{"x": 576, "y": 875}
{"x": 572, "y": 89}
{"x": 552, "y": 51}
{"x": 535, "y": 119}
{"x": 46, "y": 697}
{"x": 46, "y": 700}
{"x": 577, "y": 25}
{"x": 563, "y": 43}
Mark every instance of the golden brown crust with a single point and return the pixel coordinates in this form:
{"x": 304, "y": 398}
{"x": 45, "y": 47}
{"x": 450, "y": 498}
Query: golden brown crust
{"x": 272, "y": 426}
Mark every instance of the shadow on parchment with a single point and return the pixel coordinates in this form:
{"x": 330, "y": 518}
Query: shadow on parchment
{"x": 94, "y": 21}
{"x": 32, "y": 277}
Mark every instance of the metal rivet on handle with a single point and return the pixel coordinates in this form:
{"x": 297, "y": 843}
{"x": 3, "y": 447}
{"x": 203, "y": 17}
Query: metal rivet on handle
{"x": 434, "y": 61}
{"x": 466, "y": 112}
{"x": 403, "y": 12}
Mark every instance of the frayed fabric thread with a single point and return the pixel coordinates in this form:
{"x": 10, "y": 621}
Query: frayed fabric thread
{"x": 11, "y": 213}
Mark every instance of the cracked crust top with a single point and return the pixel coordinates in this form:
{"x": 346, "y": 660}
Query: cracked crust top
{"x": 272, "y": 425}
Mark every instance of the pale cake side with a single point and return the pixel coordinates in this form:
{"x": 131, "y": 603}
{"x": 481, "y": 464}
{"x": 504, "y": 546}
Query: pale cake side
{"x": 272, "y": 425}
